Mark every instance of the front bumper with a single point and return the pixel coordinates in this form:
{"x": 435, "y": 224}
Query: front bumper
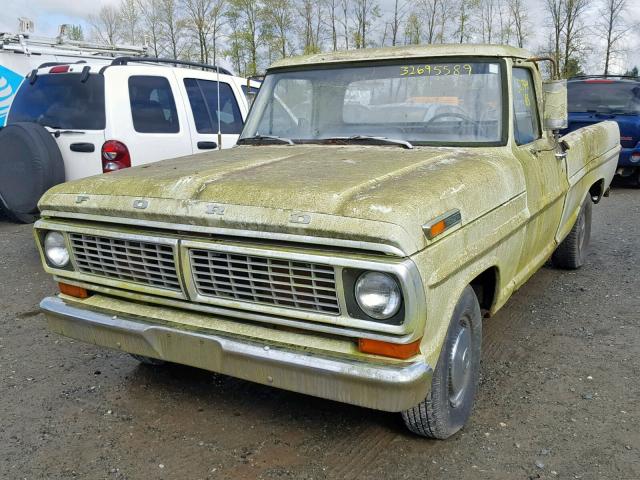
{"x": 381, "y": 386}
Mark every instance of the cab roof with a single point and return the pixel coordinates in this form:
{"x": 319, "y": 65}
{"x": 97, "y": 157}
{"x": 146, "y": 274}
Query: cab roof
{"x": 413, "y": 51}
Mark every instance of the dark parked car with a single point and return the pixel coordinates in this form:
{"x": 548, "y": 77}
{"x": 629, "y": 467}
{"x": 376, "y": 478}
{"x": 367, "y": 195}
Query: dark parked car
{"x": 597, "y": 98}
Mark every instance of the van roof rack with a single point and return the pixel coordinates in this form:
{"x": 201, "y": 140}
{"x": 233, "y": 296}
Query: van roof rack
{"x": 203, "y": 66}
{"x": 27, "y": 43}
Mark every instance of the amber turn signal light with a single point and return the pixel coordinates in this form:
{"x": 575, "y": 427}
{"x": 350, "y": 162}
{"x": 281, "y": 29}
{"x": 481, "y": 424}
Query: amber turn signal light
{"x": 394, "y": 350}
{"x": 437, "y": 228}
{"x": 73, "y": 291}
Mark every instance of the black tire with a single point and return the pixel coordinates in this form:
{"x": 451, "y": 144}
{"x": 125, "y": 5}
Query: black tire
{"x": 571, "y": 253}
{"x": 148, "y": 360}
{"x": 30, "y": 164}
{"x": 446, "y": 408}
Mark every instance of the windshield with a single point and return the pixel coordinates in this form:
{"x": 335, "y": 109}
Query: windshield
{"x": 61, "y": 100}
{"x": 604, "y": 96}
{"x": 422, "y": 103}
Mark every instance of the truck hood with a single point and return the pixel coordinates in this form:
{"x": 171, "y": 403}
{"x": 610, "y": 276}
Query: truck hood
{"x": 379, "y": 194}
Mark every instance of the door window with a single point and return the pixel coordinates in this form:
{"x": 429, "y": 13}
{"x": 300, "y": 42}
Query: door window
{"x": 525, "y": 108}
{"x": 203, "y": 98}
{"x": 152, "y": 105}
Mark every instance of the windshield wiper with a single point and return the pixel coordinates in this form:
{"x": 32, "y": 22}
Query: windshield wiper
{"x": 258, "y": 139}
{"x": 372, "y": 140}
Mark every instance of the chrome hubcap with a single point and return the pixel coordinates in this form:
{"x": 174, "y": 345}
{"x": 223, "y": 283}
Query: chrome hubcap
{"x": 459, "y": 364}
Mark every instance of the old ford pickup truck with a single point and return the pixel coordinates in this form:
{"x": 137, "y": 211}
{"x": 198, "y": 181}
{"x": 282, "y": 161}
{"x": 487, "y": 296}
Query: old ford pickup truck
{"x": 378, "y": 205}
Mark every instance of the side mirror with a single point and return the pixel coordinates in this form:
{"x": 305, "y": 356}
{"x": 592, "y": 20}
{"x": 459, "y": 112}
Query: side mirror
{"x": 555, "y": 105}
{"x": 251, "y": 96}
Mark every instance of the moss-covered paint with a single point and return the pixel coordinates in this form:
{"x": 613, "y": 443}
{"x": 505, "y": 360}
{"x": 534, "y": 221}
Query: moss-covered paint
{"x": 516, "y": 201}
{"x": 403, "y": 52}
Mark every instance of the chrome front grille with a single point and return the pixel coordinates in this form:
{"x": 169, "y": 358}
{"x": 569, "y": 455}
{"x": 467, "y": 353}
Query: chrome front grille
{"x": 128, "y": 260}
{"x": 286, "y": 283}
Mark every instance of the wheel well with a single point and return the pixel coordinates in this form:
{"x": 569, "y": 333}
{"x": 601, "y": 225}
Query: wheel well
{"x": 596, "y": 191}
{"x": 484, "y": 286}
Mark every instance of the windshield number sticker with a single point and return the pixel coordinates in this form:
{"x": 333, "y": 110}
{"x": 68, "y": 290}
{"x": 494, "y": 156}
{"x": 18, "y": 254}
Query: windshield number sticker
{"x": 436, "y": 69}
{"x": 523, "y": 90}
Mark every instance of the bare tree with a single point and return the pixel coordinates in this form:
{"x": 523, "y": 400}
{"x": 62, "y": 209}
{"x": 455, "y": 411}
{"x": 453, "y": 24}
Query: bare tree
{"x": 444, "y": 19}
{"x": 345, "y": 8}
{"x": 217, "y": 19}
{"x": 413, "y": 29}
{"x": 574, "y": 11}
{"x": 198, "y": 13}
{"x": 556, "y": 11}
{"x": 487, "y": 19}
{"x": 399, "y": 12}
{"x": 311, "y": 15}
{"x": 331, "y": 9}
{"x": 365, "y": 11}
{"x": 106, "y": 25}
{"x": 278, "y": 15}
{"x": 129, "y": 19}
{"x": 74, "y": 32}
{"x": 611, "y": 27}
{"x": 519, "y": 16}
{"x": 245, "y": 15}
{"x": 150, "y": 11}
{"x": 463, "y": 18}
{"x": 172, "y": 25}
{"x": 430, "y": 10}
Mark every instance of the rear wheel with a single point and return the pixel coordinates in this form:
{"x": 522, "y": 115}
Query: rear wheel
{"x": 448, "y": 405}
{"x": 571, "y": 253}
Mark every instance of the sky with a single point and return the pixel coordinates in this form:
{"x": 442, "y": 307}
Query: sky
{"x": 49, "y": 14}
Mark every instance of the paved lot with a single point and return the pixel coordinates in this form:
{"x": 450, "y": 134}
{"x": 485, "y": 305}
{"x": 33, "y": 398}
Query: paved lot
{"x": 558, "y": 397}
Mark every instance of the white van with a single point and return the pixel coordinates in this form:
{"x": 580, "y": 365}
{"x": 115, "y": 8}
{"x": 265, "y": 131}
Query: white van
{"x": 109, "y": 116}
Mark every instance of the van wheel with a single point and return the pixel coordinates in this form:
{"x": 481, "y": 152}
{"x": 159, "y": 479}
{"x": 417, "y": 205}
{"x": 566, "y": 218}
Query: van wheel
{"x": 156, "y": 362}
{"x": 30, "y": 164}
{"x": 448, "y": 405}
{"x": 570, "y": 254}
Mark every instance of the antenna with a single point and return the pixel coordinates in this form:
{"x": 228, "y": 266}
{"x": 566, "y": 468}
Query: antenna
{"x": 218, "y": 112}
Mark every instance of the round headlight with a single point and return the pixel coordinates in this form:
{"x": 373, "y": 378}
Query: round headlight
{"x": 378, "y": 295}
{"x": 55, "y": 249}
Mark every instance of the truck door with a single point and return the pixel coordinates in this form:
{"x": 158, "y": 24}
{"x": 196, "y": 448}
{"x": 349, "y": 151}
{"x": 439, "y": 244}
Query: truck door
{"x": 206, "y": 117}
{"x": 545, "y": 175}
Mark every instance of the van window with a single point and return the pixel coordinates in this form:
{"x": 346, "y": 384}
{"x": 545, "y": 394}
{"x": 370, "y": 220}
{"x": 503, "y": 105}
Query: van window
{"x": 249, "y": 90}
{"x": 61, "y": 100}
{"x": 525, "y": 108}
{"x": 152, "y": 105}
{"x": 203, "y": 98}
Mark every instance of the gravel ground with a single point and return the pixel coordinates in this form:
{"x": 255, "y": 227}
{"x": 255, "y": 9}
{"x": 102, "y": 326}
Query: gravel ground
{"x": 558, "y": 396}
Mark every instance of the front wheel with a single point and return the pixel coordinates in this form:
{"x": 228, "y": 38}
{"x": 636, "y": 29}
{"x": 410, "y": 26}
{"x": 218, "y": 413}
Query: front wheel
{"x": 448, "y": 405}
{"x": 571, "y": 253}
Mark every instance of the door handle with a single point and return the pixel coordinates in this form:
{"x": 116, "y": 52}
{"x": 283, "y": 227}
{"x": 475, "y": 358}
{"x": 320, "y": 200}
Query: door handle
{"x": 82, "y": 147}
{"x": 207, "y": 145}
